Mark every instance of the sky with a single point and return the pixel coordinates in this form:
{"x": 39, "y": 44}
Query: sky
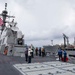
{"x": 43, "y": 20}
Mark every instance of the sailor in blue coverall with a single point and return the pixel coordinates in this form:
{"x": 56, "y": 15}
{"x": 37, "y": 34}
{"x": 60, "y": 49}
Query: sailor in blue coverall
{"x": 60, "y": 54}
{"x": 65, "y": 55}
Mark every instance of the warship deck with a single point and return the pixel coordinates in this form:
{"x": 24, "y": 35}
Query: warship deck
{"x": 7, "y": 62}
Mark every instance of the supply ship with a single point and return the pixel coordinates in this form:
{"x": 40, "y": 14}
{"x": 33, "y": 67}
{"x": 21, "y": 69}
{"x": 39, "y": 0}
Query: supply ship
{"x": 53, "y": 49}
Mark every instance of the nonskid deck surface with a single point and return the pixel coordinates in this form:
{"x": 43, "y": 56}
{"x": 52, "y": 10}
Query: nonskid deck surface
{"x": 46, "y": 68}
{"x": 7, "y": 62}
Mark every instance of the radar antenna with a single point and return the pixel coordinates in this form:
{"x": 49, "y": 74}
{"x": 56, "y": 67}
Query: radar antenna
{"x": 5, "y": 6}
{"x": 4, "y": 16}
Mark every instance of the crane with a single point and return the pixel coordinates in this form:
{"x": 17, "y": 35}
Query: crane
{"x": 65, "y": 40}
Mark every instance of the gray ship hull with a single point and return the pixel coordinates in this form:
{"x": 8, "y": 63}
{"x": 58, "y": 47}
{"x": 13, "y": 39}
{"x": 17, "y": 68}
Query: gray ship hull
{"x": 51, "y": 50}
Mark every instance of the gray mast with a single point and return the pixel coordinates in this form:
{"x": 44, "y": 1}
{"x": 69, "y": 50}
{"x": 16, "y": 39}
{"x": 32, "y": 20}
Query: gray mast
{"x": 4, "y": 16}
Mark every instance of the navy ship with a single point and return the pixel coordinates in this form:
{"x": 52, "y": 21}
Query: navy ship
{"x": 12, "y": 47}
{"x": 11, "y": 37}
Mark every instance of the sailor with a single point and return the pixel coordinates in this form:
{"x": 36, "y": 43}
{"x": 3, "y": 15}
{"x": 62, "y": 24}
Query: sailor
{"x": 65, "y": 55}
{"x": 60, "y": 53}
{"x": 32, "y": 51}
{"x": 36, "y": 51}
{"x": 26, "y": 54}
{"x": 43, "y": 52}
{"x": 6, "y": 50}
{"x": 29, "y": 54}
{"x": 40, "y": 51}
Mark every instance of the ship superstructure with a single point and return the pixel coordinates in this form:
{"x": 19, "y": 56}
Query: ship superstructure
{"x": 11, "y": 38}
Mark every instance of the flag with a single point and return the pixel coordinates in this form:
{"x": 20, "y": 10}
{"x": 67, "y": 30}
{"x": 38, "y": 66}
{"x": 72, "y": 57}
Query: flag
{"x": 1, "y": 22}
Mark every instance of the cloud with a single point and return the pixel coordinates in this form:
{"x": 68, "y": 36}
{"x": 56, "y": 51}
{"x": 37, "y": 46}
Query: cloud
{"x": 43, "y": 20}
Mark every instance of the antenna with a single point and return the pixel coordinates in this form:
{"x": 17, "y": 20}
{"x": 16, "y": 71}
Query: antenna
{"x": 52, "y": 42}
{"x": 5, "y": 6}
{"x": 4, "y": 14}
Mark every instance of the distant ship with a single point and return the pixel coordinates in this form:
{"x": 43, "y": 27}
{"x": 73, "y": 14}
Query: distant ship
{"x": 53, "y": 50}
{"x": 11, "y": 38}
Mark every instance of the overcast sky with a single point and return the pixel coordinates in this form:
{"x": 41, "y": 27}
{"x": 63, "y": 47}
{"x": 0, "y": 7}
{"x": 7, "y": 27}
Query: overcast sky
{"x": 43, "y": 20}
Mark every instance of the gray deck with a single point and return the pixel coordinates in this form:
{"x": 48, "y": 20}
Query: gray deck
{"x": 7, "y": 62}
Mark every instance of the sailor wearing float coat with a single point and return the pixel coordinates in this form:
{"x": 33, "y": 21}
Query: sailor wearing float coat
{"x": 29, "y": 55}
